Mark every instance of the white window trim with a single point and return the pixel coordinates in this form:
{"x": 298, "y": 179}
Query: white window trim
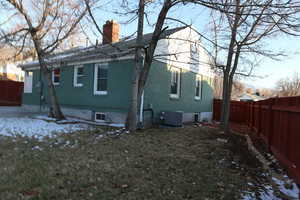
{"x": 100, "y": 113}
{"x": 198, "y": 78}
{"x": 96, "y": 92}
{"x": 54, "y": 83}
{"x": 76, "y": 76}
{"x": 28, "y": 82}
{"x": 176, "y": 96}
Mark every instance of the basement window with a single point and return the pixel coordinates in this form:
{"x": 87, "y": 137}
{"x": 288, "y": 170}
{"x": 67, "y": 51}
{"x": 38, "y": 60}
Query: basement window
{"x": 78, "y": 76}
{"x": 198, "y": 92}
{"x": 175, "y": 83}
{"x": 100, "y": 117}
{"x": 100, "y": 79}
{"x": 56, "y": 76}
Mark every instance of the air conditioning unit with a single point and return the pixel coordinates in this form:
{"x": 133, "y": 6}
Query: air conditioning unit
{"x": 172, "y": 118}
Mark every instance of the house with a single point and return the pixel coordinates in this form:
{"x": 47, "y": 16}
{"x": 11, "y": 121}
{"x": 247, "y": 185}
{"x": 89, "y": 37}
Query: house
{"x": 250, "y": 97}
{"x": 8, "y": 65}
{"x": 94, "y": 83}
{"x": 10, "y": 71}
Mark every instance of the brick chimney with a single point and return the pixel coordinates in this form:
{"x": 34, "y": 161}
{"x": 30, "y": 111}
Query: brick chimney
{"x": 111, "y": 31}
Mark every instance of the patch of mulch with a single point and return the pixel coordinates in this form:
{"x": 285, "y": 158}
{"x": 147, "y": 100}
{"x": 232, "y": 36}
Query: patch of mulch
{"x": 257, "y": 141}
{"x": 240, "y": 128}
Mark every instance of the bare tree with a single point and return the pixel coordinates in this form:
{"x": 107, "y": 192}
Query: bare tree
{"x": 243, "y": 26}
{"x": 289, "y": 86}
{"x": 141, "y": 71}
{"x": 150, "y": 49}
{"x": 249, "y": 91}
{"x": 237, "y": 90}
{"x": 218, "y": 88}
{"x": 45, "y": 24}
{"x": 131, "y": 120}
{"x": 144, "y": 53}
{"x": 267, "y": 93}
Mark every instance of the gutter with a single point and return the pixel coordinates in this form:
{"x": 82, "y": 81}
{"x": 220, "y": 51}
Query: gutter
{"x": 34, "y": 66}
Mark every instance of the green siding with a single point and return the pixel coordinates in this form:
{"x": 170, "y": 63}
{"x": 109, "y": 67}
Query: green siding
{"x": 119, "y": 89}
{"x": 157, "y": 92}
{"x": 33, "y": 98}
{"x": 117, "y": 99}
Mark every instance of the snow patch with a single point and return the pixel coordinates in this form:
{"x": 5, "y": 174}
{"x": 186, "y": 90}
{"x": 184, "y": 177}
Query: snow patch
{"x": 37, "y": 128}
{"x": 76, "y": 120}
{"x": 288, "y": 187}
{"x": 268, "y": 193}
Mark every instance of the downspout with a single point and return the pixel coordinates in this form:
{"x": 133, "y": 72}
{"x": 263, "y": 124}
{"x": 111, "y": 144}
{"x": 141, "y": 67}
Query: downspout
{"x": 141, "y": 117}
{"x": 141, "y": 109}
{"x": 41, "y": 89}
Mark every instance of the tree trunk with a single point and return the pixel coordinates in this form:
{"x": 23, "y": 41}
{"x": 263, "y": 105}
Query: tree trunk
{"x": 226, "y": 107}
{"x": 227, "y": 72}
{"x": 228, "y": 90}
{"x": 224, "y": 93}
{"x": 131, "y": 121}
{"x": 54, "y": 110}
{"x": 152, "y": 46}
{"x": 144, "y": 70}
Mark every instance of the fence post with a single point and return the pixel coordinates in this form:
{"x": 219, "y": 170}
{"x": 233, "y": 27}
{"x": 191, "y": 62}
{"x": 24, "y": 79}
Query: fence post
{"x": 252, "y": 116}
{"x": 259, "y": 118}
{"x": 271, "y": 124}
{"x": 214, "y": 109}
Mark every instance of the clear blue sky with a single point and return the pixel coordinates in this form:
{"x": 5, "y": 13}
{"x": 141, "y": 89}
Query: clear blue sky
{"x": 275, "y": 70}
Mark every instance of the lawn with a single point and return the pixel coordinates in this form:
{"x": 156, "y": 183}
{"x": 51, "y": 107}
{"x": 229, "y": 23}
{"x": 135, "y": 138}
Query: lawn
{"x": 170, "y": 163}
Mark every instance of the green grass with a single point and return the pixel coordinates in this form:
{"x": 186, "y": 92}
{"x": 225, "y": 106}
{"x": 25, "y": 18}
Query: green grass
{"x": 177, "y": 163}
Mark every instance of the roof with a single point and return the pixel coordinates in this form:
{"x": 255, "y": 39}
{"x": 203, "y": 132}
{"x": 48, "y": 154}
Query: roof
{"x": 253, "y": 97}
{"x": 107, "y": 51}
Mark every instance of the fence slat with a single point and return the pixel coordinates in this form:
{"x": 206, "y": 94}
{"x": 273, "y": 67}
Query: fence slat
{"x": 11, "y": 93}
{"x": 276, "y": 120}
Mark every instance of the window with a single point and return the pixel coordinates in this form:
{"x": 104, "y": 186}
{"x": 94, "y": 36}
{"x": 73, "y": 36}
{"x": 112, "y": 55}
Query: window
{"x": 78, "y": 76}
{"x": 175, "y": 83}
{"x": 56, "y": 76}
{"x": 100, "y": 117}
{"x": 198, "y": 92}
{"x": 28, "y": 82}
{"x": 100, "y": 79}
{"x": 194, "y": 51}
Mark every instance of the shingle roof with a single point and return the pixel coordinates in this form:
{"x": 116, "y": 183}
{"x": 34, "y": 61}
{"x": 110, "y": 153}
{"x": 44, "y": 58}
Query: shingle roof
{"x": 107, "y": 51}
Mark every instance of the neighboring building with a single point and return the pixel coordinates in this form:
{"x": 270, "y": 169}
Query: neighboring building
{"x": 250, "y": 97}
{"x": 8, "y": 66}
{"x": 94, "y": 83}
{"x": 10, "y": 71}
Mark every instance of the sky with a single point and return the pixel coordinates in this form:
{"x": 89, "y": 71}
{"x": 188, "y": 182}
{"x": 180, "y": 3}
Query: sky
{"x": 272, "y": 70}
{"x": 266, "y": 74}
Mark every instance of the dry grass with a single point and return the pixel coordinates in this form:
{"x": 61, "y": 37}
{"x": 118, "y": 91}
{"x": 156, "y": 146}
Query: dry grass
{"x": 177, "y": 163}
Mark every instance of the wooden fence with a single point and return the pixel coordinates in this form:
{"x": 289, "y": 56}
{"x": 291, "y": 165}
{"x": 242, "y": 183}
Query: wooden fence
{"x": 276, "y": 121}
{"x": 11, "y": 93}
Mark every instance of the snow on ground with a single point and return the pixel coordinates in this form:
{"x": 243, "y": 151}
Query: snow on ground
{"x": 287, "y": 187}
{"x": 292, "y": 191}
{"x": 76, "y": 120}
{"x": 26, "y": 126}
